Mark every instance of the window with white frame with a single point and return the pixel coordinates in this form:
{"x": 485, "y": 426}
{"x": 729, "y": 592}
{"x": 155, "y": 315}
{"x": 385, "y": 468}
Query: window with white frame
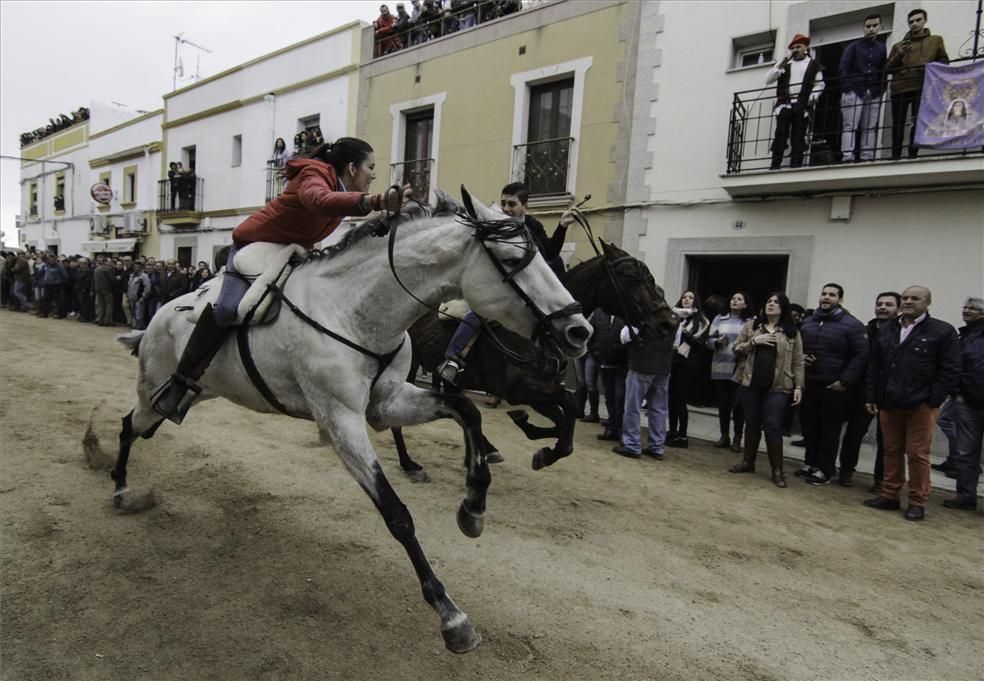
{"x": 416, "y": 140}
{"x": 546, "y": 126}
{"x": 753, "y": 50}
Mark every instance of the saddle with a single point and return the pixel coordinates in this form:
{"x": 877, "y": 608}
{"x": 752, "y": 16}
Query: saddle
{"x": 266, "y": 266}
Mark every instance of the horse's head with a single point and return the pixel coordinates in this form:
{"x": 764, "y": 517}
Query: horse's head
{"x": 506, "y": 269}
{"x": 635, "y": 295}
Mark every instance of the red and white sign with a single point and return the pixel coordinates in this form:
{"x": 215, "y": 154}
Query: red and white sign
{"x": 102, "y": 193}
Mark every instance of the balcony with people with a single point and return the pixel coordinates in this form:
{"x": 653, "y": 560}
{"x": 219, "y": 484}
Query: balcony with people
{"x": 836, "y": 131}
{"x": 427, "y": 20}
{"x": 180, "y": 196}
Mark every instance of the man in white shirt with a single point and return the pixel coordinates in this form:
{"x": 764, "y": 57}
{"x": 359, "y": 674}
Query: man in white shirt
{"x": 798, "y": 74}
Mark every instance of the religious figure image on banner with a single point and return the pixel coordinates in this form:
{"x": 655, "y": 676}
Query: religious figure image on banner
{"x": 951, "y": 114}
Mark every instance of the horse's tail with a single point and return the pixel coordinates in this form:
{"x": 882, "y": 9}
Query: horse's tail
{"x": 131, "y": 341}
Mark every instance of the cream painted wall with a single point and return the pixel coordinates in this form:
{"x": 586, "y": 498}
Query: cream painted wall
{"x": 889, "y": 243}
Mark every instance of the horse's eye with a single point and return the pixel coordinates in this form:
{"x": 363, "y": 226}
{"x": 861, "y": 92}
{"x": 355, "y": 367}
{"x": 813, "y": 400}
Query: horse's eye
{"x": 512, "y": 263}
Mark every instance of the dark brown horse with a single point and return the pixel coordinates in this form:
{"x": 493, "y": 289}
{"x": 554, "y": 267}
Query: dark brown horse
{"x": 524, "y": 373}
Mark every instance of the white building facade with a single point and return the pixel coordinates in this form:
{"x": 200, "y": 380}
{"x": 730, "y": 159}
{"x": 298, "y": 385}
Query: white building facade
{"x": 224, "y": 128}
{"x": 703, "y": 217}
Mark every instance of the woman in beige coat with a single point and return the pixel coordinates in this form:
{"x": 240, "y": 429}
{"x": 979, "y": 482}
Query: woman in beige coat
{"x": 770, "y": 370}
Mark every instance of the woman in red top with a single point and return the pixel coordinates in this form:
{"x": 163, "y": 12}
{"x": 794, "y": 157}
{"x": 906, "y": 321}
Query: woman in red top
{"x": 323, "y": 187}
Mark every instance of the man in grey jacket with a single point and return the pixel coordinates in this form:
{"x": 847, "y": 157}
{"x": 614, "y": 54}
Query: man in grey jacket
{"x": 138, "y": 289}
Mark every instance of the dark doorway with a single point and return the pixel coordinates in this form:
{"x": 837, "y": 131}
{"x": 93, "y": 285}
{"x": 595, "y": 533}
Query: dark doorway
{"x": 722, "y": 275}
{"x": 184, "y": 256}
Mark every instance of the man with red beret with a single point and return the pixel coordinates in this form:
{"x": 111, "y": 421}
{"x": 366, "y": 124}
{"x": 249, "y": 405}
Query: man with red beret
{"x": 799, "y": 83}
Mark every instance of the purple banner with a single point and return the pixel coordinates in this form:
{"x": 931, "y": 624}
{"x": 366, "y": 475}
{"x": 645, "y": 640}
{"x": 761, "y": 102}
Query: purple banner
{"x": 951, "y": 113}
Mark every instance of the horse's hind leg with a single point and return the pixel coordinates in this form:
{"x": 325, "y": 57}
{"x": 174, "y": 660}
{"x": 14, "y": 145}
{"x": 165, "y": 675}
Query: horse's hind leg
{"x": 349, "y": 438}
{"x": 146, "y": 426}
{"x": 413, "y": 469}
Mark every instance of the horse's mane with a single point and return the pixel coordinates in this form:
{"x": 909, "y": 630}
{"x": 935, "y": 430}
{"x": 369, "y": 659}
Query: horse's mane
{"x": 412, "y": 212}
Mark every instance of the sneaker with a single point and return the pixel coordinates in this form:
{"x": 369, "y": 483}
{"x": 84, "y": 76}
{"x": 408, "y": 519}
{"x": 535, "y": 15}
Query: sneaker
{"x": 450, "y": 368}
{"x": 818, "y": 477}
{"x": 679, "y": 441}
{"x": 961, "y": 504}
{"x": 804, "y": 472}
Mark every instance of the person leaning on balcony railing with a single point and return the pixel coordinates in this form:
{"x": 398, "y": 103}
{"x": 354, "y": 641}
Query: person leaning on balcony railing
{"x": 907, "y": 66}
{"x": 385, "y": 26}
{"x": 862, "y": 75}
{"x": 792, "y": 111}
{"x": 402, "y": 26}
{"x": 323, "y": 188}
{"x": 514, "y": 204}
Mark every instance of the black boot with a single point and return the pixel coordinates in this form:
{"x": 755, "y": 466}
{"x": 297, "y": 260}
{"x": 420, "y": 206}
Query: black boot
{"x": 747, "y": 464}
{"x": 175, "y": 397}
{"x": 592, "y": 416}
{"x": 723, "y": 442}
{"x": 582, "y": 398}
{"x": 774, "y": 447}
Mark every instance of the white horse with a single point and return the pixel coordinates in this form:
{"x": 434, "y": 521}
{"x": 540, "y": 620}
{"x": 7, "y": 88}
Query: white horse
{"x": 484, "y": 257}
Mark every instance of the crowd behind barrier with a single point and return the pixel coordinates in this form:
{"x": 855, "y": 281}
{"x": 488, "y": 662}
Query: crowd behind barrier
{"x": 54, "y": 125}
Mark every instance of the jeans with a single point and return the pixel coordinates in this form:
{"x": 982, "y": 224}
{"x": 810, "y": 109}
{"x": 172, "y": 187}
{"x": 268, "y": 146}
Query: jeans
{"x": 764, "y": 410}
{"x": 908, "y": 435}
{"x": 654, "y": 389}
{"x": 860, "y": 114}
{"x": 970, "y": 433}
{"x": 900, "y": 103}
{"x": 586, "y": 369}
{"x": 946, "y": 421}
{"x": 858, "y": 421}
{"x": 21, "y": 291}
{"x": 139, "y": 314}
{"x": 613, "y": 382}
{"x": 681, "y": 378}
{"x": 467, "y": 329}
{"x": 226, "y": 307}
{"x": 822, "y": 415}
{"x": 728, "y": 406}
{"x": 790, "y": 122}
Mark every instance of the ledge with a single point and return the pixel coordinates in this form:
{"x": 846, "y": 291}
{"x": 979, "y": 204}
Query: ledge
{"x": 857, "y": 178}
{"x": 180, "y": 218}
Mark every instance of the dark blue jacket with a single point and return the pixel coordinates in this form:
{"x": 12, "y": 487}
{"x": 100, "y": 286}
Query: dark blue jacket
{"x": 862, "y": 67}
{"x": 840, "y": 344}
{"x": 972, "y": 364}
{"x": 54, "y": 275}
{"x": 923, "y": 369}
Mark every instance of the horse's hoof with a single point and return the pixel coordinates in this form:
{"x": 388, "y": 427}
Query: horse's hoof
{"x": 540, "y": 458}
{"x": 119, "y": 497}
{"x": 471, "y": 525}
{"x": 493, "y": 457}
{"x": 519, "y": 416}
{"x": 461, "y": 638}
{"x": 418, "y": 475}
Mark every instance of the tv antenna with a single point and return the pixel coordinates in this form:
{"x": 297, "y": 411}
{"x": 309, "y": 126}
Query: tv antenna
{"x": 178, "y": 65}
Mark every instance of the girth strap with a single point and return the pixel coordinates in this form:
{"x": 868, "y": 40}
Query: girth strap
{"x": 242, "y": 338}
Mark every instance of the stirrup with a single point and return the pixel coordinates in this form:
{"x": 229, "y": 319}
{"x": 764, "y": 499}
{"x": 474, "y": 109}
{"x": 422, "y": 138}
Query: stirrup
{"x": 174, "y": 398}
{"x": 450, "y": 368}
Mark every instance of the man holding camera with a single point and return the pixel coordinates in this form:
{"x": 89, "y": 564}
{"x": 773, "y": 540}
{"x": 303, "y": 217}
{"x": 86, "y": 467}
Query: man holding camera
{"x": 907, "y": 64}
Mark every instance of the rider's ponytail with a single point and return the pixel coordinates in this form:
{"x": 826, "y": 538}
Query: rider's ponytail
{"x": 341, "y": 152}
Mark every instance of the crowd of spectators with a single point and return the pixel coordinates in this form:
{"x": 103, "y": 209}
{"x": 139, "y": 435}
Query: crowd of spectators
{"x": 836, "y": 372}
{"x": 104, "y": 290}
{"x": 54, "y": 125}
{"x": 430, "y": 19}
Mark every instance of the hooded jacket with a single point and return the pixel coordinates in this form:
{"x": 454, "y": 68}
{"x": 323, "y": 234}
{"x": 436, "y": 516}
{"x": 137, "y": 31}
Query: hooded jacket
{"x": 908, "y": 70}
{"x": 308, "y": 210}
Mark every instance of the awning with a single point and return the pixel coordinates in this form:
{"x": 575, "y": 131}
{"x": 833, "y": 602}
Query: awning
{"x": 110, "y": 246}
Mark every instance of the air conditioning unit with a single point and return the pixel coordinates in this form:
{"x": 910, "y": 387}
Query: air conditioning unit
{"x": 134, "y": 221}
{"x": 99, "y": 224}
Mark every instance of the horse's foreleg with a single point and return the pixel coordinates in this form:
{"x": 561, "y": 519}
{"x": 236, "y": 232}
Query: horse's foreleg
{"x": 146, "y": 426}
{"x": 530, "y": 430}
{"x": 564, "y": 417}
{"x": 394, "y": 405}
{"x": 355, "y": 451}
{"x": 413, "y": 469}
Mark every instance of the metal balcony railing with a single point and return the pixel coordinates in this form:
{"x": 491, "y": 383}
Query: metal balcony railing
{"x": 753, "y": 124}
{"x": 415, "y": 173}
{"x": 435, "y": 22}
{"x": 276, "y": 180}
{"x": 543, "y": 165}
{"x": 181, "y": 193}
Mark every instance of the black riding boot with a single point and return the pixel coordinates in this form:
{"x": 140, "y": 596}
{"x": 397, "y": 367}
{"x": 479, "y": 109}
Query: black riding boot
{"x": 582, "y": 398}
{"x": 175, "y": 397}
{"x": 592, "y": 416}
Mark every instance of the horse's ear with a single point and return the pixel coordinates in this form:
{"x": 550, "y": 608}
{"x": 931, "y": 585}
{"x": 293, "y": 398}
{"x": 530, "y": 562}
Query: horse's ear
{"x": 469, "y": 206}
{"x": 606, "y": 248}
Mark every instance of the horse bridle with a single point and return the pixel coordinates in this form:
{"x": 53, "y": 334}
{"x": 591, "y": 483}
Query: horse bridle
{"x": 497, "y": 231}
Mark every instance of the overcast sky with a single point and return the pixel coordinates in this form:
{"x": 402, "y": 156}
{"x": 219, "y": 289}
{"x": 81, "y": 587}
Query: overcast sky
{"x": 58, "y": 56}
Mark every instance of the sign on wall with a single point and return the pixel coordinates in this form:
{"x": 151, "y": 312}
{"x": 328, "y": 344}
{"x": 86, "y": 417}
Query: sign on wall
{"x": 102, "y": 193}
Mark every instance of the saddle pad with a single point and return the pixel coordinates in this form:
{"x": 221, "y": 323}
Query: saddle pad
{"x": 264, "y": 264}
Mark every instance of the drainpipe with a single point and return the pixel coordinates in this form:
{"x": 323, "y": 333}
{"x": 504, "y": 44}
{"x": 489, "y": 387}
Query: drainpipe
{"x": 271, "y": 99}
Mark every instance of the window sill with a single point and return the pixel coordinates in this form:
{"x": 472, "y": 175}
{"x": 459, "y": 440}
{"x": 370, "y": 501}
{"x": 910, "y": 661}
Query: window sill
{"x": 753, "y": 67}
{"x": 128, "y": 204}
{"x": 59, "y": 212}
{"x": 550, "y": 201}
{"x": 103, "y": 209}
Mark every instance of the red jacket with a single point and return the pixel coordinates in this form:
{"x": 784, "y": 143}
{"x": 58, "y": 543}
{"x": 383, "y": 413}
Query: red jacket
{"x": 308, "y": 210}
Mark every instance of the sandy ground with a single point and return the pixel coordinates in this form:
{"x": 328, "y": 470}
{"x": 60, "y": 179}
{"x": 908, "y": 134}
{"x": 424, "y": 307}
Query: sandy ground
{"x": 262, "y": 559}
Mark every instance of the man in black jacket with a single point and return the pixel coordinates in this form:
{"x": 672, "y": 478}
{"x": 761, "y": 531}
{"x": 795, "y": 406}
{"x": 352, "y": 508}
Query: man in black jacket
{"x": 172, "y": 283}
{"x": 835, "y": 349}
{"x": 915, "y": 364}
{"x": 968, "y": 407}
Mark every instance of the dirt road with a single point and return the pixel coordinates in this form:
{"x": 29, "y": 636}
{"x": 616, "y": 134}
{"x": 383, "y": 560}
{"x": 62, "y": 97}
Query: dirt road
{"x": 262, "y": 559}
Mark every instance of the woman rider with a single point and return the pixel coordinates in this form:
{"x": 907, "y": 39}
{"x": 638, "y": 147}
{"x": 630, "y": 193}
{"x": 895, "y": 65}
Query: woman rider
{"x": 323, "y": 187}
